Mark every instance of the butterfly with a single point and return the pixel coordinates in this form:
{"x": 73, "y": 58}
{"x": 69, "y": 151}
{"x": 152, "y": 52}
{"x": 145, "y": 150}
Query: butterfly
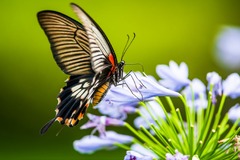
{"x": 82, "y": 51}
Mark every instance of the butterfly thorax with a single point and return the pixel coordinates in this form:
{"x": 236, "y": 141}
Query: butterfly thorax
{"x": 119, "y": 72}
{"x": 115, "y": 76}
{"x": 116, "y": 73}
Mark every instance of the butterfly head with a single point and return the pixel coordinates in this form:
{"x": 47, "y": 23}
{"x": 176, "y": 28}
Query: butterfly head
{"x": 121, "y": 65}
{"x": 120, "y": 70}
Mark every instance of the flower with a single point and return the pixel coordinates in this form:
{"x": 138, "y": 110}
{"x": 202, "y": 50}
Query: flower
{"x": 121, "y": 96}
{"x": 227, "y": 47}
{"x": 90, "y": 144}
{"x": 177, "y": 156}
{"x": 132, "y": 155}
{"x": 144, "y": 151}
{"x": 216, "y": 81}
{"x": 138, "y": 152}
{"x": 234, "y": 113}
{"x": 147, "y": 86}
{"x": 153, "y": 89}
{"x": 158, "y": 133}
{"x": 155, "y": 110}
{"x": 173, "y": 77}
{"x": 196, "y": 90}
{"x": 118, "y": 102}
{"x": 111, "y": 110}
{"x": 231, "y": 86}
{"x": 100, "y": 122}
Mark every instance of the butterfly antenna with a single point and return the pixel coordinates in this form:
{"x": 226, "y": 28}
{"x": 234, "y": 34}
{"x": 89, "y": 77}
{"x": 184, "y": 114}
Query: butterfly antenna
{"x": 127, "y": 45}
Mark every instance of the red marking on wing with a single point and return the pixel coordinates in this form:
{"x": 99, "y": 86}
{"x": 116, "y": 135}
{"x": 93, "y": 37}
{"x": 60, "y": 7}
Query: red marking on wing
{"x": 112, "y": 61}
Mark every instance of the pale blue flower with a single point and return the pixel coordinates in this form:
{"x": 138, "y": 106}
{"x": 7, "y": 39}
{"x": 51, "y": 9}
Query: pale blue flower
{"x": 132, "y": 155}
{"x": 155, "y": 110}
{"x": 177, "y": 156}
{"x": 152, "y": 88}
{"x": 216, "y": 81}
{"x": 90, "y": 144}
{"x": 145, "y": 88}
{"x": 234, "y": 113}
{"x": 196, "y": 94}
{"x": 228, "y": 47}
{"x": 100, "y": 123}
{"x": 144, "y": 151}
{"x": 118, "y": 102}
{"x": 231, "y": 86}
{"x": 114, "y": 111}
{"x": 173, "y": 76}
{"x": 148, "y": 86}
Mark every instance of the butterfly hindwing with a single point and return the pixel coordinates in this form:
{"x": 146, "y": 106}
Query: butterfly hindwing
{"x": 69, "y": 42}
{"x": 73, "y": 100}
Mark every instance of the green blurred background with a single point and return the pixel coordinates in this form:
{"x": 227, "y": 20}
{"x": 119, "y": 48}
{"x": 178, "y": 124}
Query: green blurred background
{"x": 30, "y": 79}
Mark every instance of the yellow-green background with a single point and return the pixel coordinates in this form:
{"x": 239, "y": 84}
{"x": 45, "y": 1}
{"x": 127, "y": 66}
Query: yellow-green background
{"x": 30, "y": 79}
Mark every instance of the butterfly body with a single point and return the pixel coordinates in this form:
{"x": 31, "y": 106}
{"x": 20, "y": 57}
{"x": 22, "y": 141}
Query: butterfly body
{"x": 84, "y": 52}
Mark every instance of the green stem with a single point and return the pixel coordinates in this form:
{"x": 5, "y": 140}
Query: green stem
{"x": 122, "y": 146}
{"x": 173, "y": 125}
{"x": 189, "y": 123}
{"x": 217, "y": 119}
{"x": 207, "y": 127}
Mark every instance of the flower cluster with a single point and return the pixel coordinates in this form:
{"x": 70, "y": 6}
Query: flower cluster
{"x": 227, "y": 48}
{"x": 192, "y": 129}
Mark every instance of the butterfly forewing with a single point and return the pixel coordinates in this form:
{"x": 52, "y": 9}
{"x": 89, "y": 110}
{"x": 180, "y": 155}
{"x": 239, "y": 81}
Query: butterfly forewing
{"x": 100, "y": 46}
{"x": 69, "y": 42}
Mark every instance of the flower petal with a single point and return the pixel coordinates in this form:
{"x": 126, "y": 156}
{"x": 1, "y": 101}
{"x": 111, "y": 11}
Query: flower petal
{"x": 216, "y": 81}
{"x": 144, "y": 151}
{"x": 173, "y": 77}
{"x": 100, "y": 123}
{"x": 90, "y": 144}
{"x": 132, "y": 155}
{"x": 231, "y": 86}
{"x": 197, "y": 90}
{"x": 228, "y": 48}
{"x": 234, "y": 113}
{"x": 177, "y": 156}
{"x": 119, "y": 99}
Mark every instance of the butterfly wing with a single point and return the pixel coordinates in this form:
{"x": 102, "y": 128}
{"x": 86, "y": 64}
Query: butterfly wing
{"x": 102, "y": 53}
{"x": 73, "y": 100}
{"x": 85, "y": 53}
{"x": 69, "y": 42}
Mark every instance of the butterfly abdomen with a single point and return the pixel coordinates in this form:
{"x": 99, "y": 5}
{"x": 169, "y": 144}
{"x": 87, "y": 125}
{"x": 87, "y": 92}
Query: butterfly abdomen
{"x": 100, "y": 93}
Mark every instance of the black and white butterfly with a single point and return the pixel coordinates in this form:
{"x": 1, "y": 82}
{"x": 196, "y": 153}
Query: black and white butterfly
{"x": 83, "y": 51}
